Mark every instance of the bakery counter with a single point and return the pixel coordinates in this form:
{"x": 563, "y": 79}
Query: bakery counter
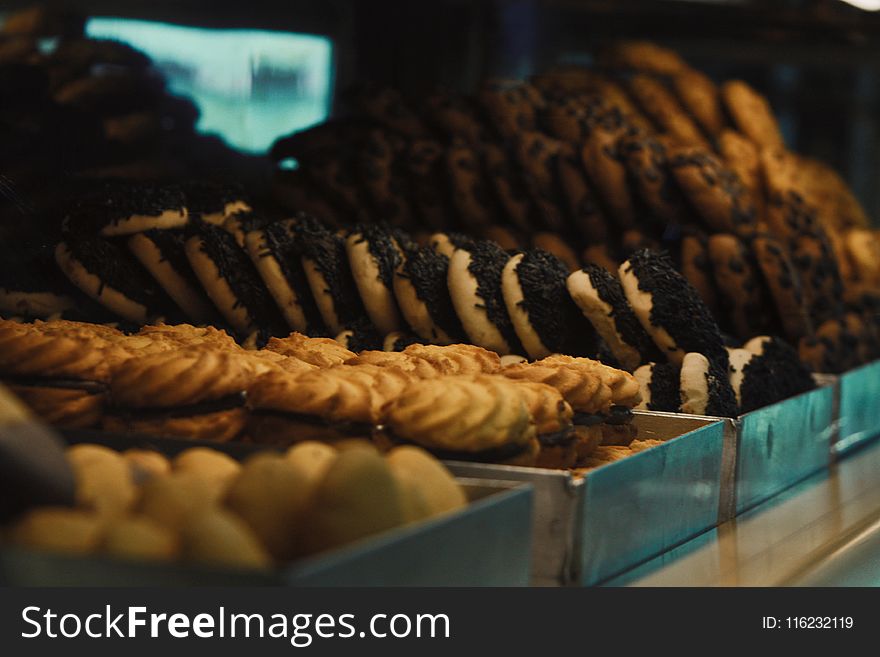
{"x": 824, "y": 531}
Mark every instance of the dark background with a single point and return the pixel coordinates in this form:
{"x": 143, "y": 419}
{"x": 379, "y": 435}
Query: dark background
{"x": 817, "y": 60}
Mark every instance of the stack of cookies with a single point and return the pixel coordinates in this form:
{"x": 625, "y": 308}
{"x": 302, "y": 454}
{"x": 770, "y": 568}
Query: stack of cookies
{"x": 593, "y": 164}
{"x": 203, "y": 507}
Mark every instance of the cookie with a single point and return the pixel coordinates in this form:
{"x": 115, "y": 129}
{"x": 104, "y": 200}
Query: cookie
{"x": 374, "y": 255}
{"x": 471, "y": 190}
{"x": 705, "y": 388}
{"x": 503, "y": 237}
{"x": 669, "y": 309}
{"x": 109, "y": 276}
{"x": 697, "y": 269}
{"x": 751, "y": 114}
{"x": 599, "y": 254}
{"x": 659, "y": 387}
{"x": 474, "y": 280}
{"x": 714, "y": 191}
{"x": 784, "y": 285}
{"x": 446, "y": 243}
{"x": 276, "y": 258}
{"x": 833, "y": 349}
{"x": 420, "y": 286}
{"x": 583, "y": 207}
{"x": 544, "y": 317}
{"x": 119, "y": 208}
{"x": 813, "y": 258}
{"x": 700, "y": 98}
{"x": 455, "y": 115}
{"x": 512, "y": 106}
{"x": 360, "y": 335}
{"x": 600, "y": 298}
{"x": 553, "y": 243}
{"x": 387, "y": 107}
{"x": 510, "y": 187}
{"x": 605, "y": 168}
{"x": 658, "y": 103}
{"x": 428, "y": 184}
{"x": 642, "y": 56}
{"x": 324, "y": 261}
{"x": 740, "y": 285}
{"x": 744, "y": 159}
{"x": 646, "y": 160}
{"x": 162, "y": 253}
{"x": 537, "y": 155}
{"x": 231, "y": 282}
{"x": 380, "y": 162}
{"x": 214, "y": 202}
{"x": 775, "y": 373}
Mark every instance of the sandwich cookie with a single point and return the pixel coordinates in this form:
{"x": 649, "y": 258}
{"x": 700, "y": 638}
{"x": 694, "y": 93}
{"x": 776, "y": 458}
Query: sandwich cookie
{"x": 544, "y": 317}
{"x": 109, "y": 276}
{"x": 659, "y": 387}
{"x": 463, "y": 418}
{"x": 273, "y": 251}
{"x": 669, "y": 309}
{"x": 554, "y": 429}
{"x": 214, "y": 202}
{"x": 192, "y": 394}
{"x": 324, "y": 261}
{"x": 163, "y": 255}
{"x": 320, "y": 352}
{"x": 600, "y": 298}
{"x": 124, "y": 208}
{"x": 231, "y": 281}
{"x": 420, "y": 286}
{"x": 374, "y": 255}
{"x": 474, "y": 280}
{"x": 705, "y": 388}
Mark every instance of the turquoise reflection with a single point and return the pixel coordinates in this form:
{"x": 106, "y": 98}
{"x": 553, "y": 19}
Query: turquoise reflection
{"x": 251, "y": 86}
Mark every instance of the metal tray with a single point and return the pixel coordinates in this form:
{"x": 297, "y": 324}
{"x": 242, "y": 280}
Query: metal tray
{"x": 859, "y": 407}
{"x": 590, "y": 528}
{"x": 783, "y": 443}
{"x": 436, "y": 552}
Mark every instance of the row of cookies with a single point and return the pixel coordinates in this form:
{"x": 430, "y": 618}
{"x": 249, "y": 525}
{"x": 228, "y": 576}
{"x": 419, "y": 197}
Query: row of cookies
{"x": 203, "y": 507}
{"x": 198, "y": 383}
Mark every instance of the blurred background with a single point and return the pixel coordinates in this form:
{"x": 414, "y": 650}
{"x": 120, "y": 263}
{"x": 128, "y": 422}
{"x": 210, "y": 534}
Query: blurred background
{"x": 260, "y": 69}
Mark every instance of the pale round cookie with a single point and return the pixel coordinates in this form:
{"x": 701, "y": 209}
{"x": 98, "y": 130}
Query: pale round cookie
{"x": 474, "y": 280}
{"x": 162, "y": 254}
{"x": 705, "y": 388}
{"x": 374, "y": 255}
{"x": 422, "y": 292}
{"x": 739, "y": 358}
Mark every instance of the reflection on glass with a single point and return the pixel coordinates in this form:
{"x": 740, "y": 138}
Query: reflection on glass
{"x": 251, "y": 86}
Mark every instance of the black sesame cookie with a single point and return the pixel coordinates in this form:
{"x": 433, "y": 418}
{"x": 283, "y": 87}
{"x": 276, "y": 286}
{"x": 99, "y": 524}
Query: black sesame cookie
{"x": 387, "y": 107}
{"x": 669, "y": 309}
{"x": 511, "y": 106}
{"x": 659, "y": 387}
{"x": 559, "y": 247}
{"x": 472, "y": 196}
{"x": 510, "y": 186}
{"x": 163, "y": 254}
{"x": 700, "y": 98}
{"x": 697, "y": 269}
{"x": 600, "y": 298}
{"x": 420, "y": 286}
{"x": 658, "y": 103}
{"x": 773, "y": 373}
{"x": 110, "y": 276}
{"x": 274, "y": 253}
{"x": 537, "y": 155}
{"x": 121, "y": 208}
{"x": 399, "y": 340}
{"x": 741, "y": 287}
{"x": 474, "y": 280}
{"x": 239, "y": 224}
{"x": 714, "y": 191}
{"x": 214, "y": 202}
{"x": 705, "y": 387}
{"x": 374, "y": 255}
{"x": 646, "y": 160}
{"x": 784, "y": 285}
{"x": 447, "y": 243}
{"x": 583, "y": 208}
{"x": 232, "y": 283}
{"x": 633, "y": 240}
{"x": 743, "y": 158}
{"x": 381, "y": 159}
{"x": 604, "y": 165}
{"x": 455, "y": 115}
{"x": 813, "y": 258}
{"x": 545, "y": 318}
{"x": 360, "y": 335}
{"x": 751, "y": 114}
{"x": 428, "y": 184}
{"x": 832, "y": 349}
{"x": 323, "y": 257}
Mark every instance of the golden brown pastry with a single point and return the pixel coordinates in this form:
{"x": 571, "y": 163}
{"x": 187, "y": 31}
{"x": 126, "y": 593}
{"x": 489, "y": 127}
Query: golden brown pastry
{"x": 194, "y": 394}
{"x": 322, "y": 352}
{"x": 469, "y": 418}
